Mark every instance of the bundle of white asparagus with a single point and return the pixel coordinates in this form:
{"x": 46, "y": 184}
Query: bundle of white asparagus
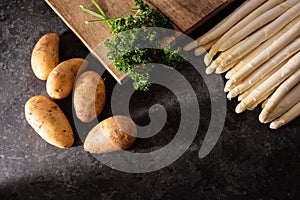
{"x": 258, "y": 45}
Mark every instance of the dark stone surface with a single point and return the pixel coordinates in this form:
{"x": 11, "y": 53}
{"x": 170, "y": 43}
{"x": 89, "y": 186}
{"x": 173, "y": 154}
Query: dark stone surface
{"x": 250, "y": 161}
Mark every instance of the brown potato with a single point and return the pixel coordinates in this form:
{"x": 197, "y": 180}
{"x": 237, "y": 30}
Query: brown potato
{"x": 45, "y": 55}
{"x": 48, "y": 120}
{"x": 112, "y": 134}
{"x": 89, "y": 96}
{"x": 61, "y": 79}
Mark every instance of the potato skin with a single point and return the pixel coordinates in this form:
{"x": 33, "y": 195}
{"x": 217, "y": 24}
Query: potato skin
{"x": 45, "y": 55}
{"x": 48, "y": 120}
{"x": 61, "y": 79}
{"x": 112, "y": 134}
{"x": 89, "y": 96}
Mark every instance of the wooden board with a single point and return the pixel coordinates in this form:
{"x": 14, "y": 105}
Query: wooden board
{"x": 185, "y": 14}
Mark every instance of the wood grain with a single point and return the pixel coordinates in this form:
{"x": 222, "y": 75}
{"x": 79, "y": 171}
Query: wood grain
{"x": 186, "y": 15}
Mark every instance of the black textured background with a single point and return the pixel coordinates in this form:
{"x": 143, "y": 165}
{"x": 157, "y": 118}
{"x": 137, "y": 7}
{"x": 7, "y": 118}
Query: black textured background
{"x": 250, "y": 161}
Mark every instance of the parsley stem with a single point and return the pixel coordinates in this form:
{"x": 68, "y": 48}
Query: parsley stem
{"x": 92, "y": 12}
{"x": 102, "y": 20}
{"x": 128, "y": 11}
{"x": 99, "y": 8}
{"x": 134, "y": 63}
{"x": 94, "y": 21}
{"x": 102, "y": 15}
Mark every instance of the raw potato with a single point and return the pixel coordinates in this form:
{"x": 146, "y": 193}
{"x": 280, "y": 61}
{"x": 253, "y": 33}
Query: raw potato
{"x": 45, "y": 55}
{"x": 61, "y": 79}
{"x": 48, "y": 120}
{"x": 89, "y": 96}
{"x": 112, "y": 134}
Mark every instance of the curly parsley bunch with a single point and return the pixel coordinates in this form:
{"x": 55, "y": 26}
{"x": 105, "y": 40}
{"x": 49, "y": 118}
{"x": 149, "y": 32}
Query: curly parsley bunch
{"x": 129, "y": 36}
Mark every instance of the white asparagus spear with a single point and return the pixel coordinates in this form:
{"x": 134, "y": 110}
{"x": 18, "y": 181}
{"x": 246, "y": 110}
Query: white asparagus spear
{"x": 231, "y": 72}
{"x": 265, "y": 102}
{"x": 257, "y": 23}
{"x": 283, "y": 90}
{"x": 275, "y": 47}
{"x": 210, "y": 69}
{"x": 260, "y": 48}
{"x": 273, "y": 81}
{"x": 281, "y": 56}
{"x": 228, "y": 89}
{"x": 258, "y": 83}
{"x": 287, "y": 117}
{"x": 214, "y": 66}
{"x": 229, "y": 21}
{"x": 251, "y": 56}
{"x": 191, "y": 45}
{"x": 199, "y": 51}
{"x": 279, "y": 94}
{"x": 195, "y": 44}
{"x": 254, "y": 85}
{"x": 248, "y": 19}
{"x": 244, "y": 95}
{"x": 263, "y": 34}
{"x": 204, "y": 48}
{"x": 285, "y": 104}
{"x": 221, "y": 70}
{"x": 224, "y": 54}
{"x": 266, "y": 95}
{"x": 216, "y": 63}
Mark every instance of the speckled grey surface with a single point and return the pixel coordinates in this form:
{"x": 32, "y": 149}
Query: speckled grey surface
{"x": 249, "y": 161}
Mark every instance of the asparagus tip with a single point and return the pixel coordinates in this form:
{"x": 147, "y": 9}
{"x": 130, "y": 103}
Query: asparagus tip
{"x": 209, "y": 70}
{"x": 229, "y": 95}
{"x": 274, "y": 125}
{"x": 228, "y": 75}
{"x": 226, "y": 89}
{"x": 229, "y": 83}
{"x": 207, "y": 59}
{"x": 190, "y": 46}
{"x": 263, "y": 116}
{"x": 199, "y": 51}
{"x": 218, "y": 71}
{"x": 233, "y": 93}
{"x": 240, "y": 108}
{"x": 240, "y": 98}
